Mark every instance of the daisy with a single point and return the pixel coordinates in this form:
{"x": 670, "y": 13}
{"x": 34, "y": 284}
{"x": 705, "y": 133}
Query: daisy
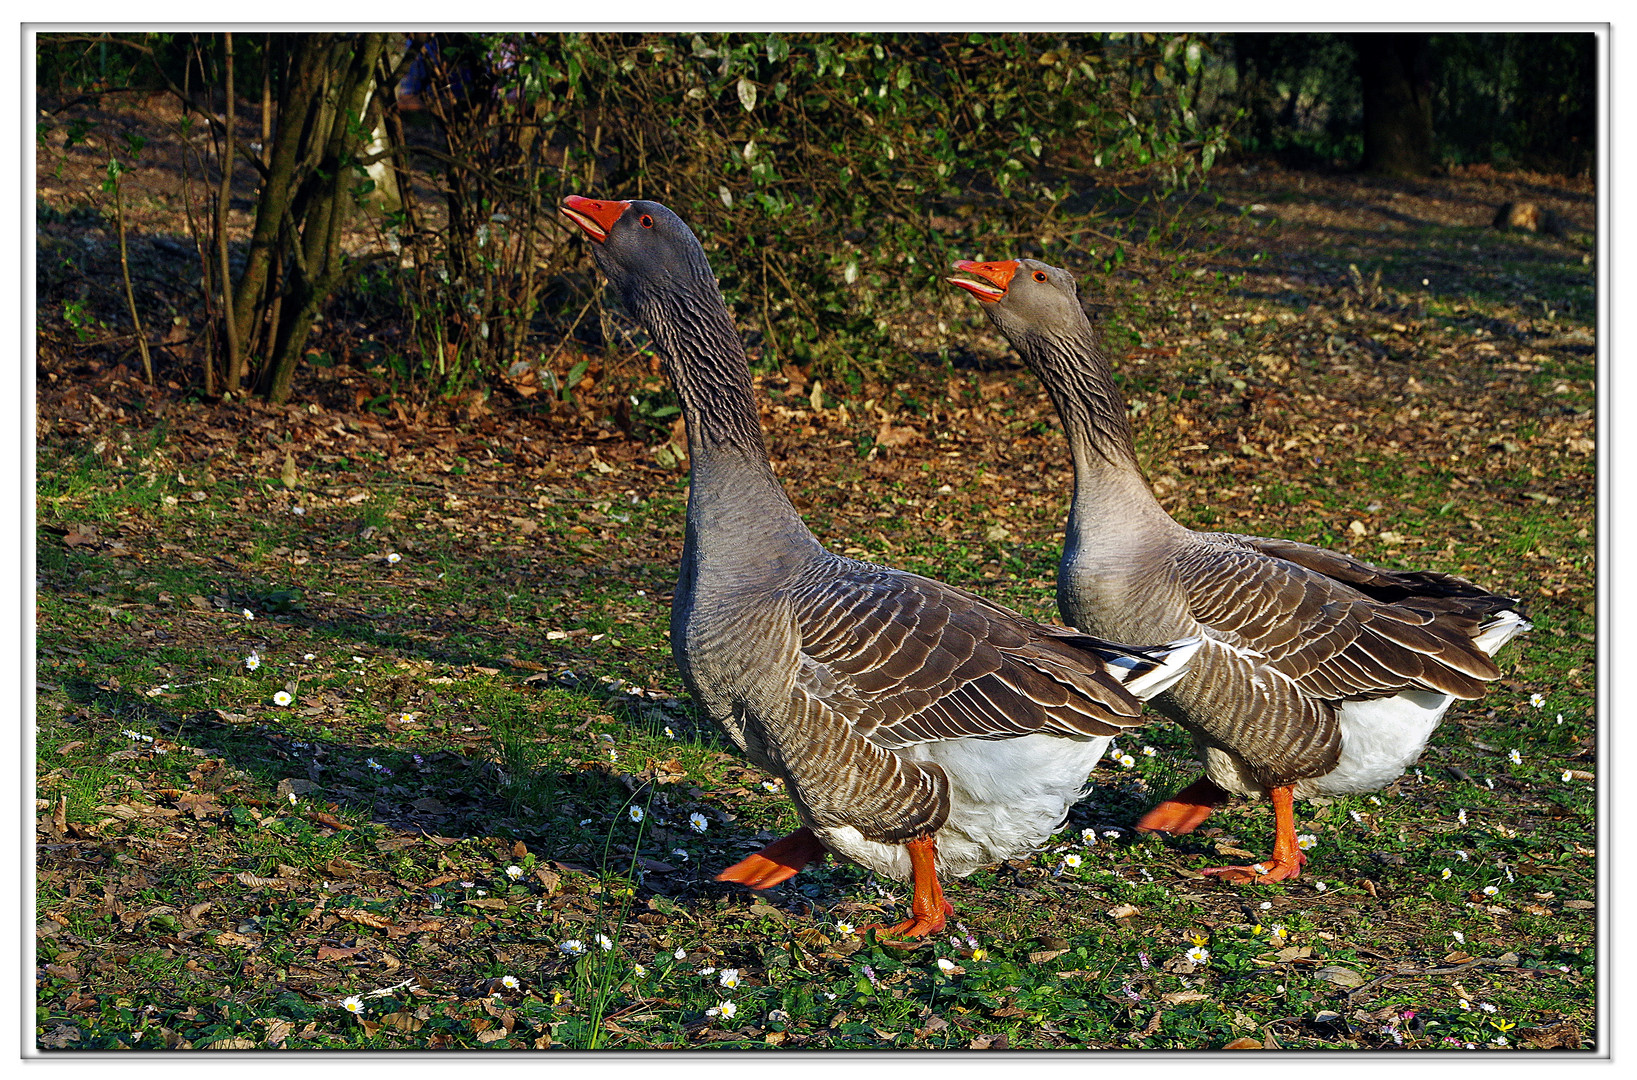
{"x": 252, "y": 662}
{"x": 669, "y": 734}
{"x": 1307, "y": 841}
{"x": 1537, "y": 700}
{"x": 1320, "y": 886}
{"x": 681, "y": 953}
{"x": 1444, "y": 873}
{"x": 1126, "y": 760}
{"x": 640, "y": 971}
{"x": 728, "y": 977}
{"x": 510, "y": 982}
{"x": 1567, "y": 776}
{"x": 1149, "y": 751}
{"x": 1199, "y": 954}
{"x": 354, "y": 1005}
{"x": 946, "y": 966}
{"x": 1490, "y": 890}
{"x": 770, "y": 786}
{"x": 394, "y": 557}
{"x": 697, "y": 822}
{"x": 845, "y": 929}
{"x": 250, "y": 616}
{"x": 603, "y": 943}
{"x": 1514, "y": 757}
{"x": 1460, "y": 938}
{"x": 634, "y": 813}
{"x": 1088, "y": 837}
{"x": 514, "y": 872}
{"x": 727, "y": 1010}
{"x": 1071, "y": 860}
{"x": 282, "y": 698}
{"x": 571, "y": 947}
{"x": 1460, "y": 815}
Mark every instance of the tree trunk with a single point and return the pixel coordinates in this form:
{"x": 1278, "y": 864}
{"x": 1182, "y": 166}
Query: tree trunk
{"x": 320, "y": 206}
{"x": 1395, "y": 73}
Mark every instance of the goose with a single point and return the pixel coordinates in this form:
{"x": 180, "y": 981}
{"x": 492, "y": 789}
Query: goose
{"x": 920, "y": 729}
{"x": 1321, "y": 674}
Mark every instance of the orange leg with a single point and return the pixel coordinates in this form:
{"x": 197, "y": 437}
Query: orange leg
{"x": 1184, "y": 811}
{"x": 928, "y": 908}
{"x": 1287, "y": 861}
{"x": 776, "y": 862}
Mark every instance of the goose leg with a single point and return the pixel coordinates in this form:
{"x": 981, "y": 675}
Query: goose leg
{"x": 1287, "y": 861}
{"x": 1184, "y": 811}
{"x": 928, "y": 908}
{"x": 776, "y": 862}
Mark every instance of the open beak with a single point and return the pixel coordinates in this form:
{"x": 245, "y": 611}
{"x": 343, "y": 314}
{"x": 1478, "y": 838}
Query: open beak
{"x": 595, "y": 216}
{"x": 993, "y": 277}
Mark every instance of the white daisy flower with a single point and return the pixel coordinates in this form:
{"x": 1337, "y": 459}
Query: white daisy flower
{"x": 634, "y": 813}
{"x": 282, "y": 698}
{"x": 571, "y": 947}
{"x": 946, "y": 966}
{"x": 252, "y": 662}
{"x": 1514, "y": 757}
{"x": 1199, "y": 954}
{"x": 1071, "y": 860}
{"x": 728, "y": 977}
{"x": 514, "y": 871}
{"x": 697, "y": 822}
{"x": 603, "y": 943}
{"x": 354, "y": 1005}
{"x": 394, "y": 557}
{"x": 510, "y": 982}
{"x": 1537, "y": 700}
{"x": 1307, "y": 841}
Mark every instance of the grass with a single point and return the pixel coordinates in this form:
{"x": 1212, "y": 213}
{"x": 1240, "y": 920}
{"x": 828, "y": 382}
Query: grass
{"x": 487, "y": 754}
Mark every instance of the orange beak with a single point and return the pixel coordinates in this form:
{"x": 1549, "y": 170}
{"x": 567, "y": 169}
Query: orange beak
{"x": 996, "y": 276}
{"x": 595, "y": 216}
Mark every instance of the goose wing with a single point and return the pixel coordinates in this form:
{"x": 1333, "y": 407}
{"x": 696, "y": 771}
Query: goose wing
{"x": 1339, "y": 628}
{"x": 909, "y": 660}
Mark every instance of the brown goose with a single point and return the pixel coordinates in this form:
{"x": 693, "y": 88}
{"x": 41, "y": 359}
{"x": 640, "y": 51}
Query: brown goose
{"x": 1321, "y": 674}
{"x": 919, "y": 728}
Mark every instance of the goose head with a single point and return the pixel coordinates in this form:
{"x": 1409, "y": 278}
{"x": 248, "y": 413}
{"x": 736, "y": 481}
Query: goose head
{"x": 644, "y": 250}
{"x": 1025, "y": 298}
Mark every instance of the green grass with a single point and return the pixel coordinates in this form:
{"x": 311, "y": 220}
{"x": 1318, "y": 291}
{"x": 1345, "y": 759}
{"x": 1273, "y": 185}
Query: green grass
{"x": 472, "y": 726}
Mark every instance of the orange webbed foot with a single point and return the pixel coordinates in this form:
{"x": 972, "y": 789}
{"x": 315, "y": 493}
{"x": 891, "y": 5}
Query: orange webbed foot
{"x": 1262, "y": 873}
{"x": 778, "y": 861}
{"x": 1183, "y": 812}
{"x": 917, "y": 925}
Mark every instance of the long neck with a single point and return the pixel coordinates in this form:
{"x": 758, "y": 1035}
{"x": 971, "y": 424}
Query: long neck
{"x": 1108, "y": 484}
{"x": 737, "y": 509}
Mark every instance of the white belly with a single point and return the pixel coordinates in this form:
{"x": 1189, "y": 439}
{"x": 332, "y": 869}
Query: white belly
{"x": 1379, "y": 739}
{"x": 1007, "y": 796}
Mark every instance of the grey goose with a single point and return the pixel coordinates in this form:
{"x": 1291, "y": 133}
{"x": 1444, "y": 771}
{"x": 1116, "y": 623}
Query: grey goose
{"x": 920, "y": 729}
{"x": 1321, "y": 674}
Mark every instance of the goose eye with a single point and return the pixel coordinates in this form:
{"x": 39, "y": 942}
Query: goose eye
{"x": 647, "y": 221}
{"x": 1040, "y": 275}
